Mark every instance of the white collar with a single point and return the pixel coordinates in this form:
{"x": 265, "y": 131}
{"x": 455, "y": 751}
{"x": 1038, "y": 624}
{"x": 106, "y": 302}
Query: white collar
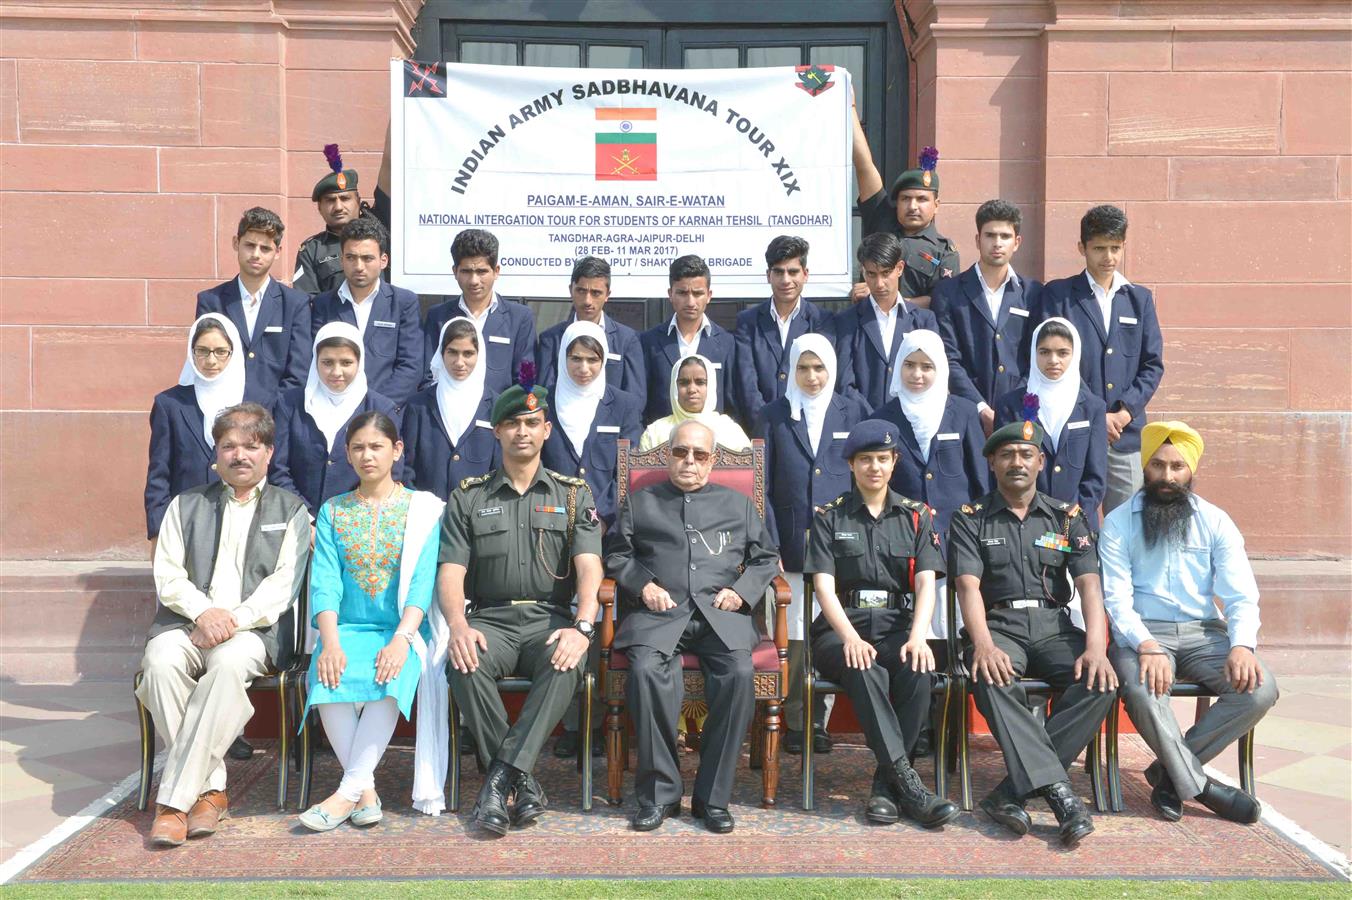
{"x": 705, "y": 326}
{"x": 345, "y": 293}
{"x": 601, "y": 323}
{"x": 897, "y": 308}
{"x": 492, "y": 305}
{"x": 793, "y": 314}
{"x": 247, "y": 297}
{"x": 1011, "y": 277}
{"x": 1119, "y": 282}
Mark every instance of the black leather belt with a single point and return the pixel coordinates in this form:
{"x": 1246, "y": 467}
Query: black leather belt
{"x": 866, "y": 598}
{"x": 1023, "y": 604}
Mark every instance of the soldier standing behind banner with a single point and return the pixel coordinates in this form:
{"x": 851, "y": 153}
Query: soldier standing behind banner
{"x": 319, "y": 261}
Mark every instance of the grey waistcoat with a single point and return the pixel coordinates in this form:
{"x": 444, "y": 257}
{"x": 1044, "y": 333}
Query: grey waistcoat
{"x": 201, "y": 510}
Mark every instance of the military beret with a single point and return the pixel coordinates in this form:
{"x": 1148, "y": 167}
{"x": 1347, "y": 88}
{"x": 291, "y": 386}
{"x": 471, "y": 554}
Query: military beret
{"x": 523, "y": 397}
{"x": 1025, "y": 432}
{"x": 872, "y": 434}
{"x": 338, "y": 179}
{"x": 922, "y": 178}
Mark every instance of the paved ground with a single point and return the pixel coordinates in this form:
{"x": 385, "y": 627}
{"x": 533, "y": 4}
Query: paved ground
{"x": 62, "y": 747}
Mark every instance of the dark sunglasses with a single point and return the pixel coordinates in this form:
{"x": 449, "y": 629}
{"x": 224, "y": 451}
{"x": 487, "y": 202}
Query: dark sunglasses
{"x": 701, "y": 456}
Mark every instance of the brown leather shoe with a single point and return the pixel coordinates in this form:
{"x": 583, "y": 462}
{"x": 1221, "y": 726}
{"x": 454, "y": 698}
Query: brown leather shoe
{"x": 206, "y": 814}
{"x": 170, "y": 827}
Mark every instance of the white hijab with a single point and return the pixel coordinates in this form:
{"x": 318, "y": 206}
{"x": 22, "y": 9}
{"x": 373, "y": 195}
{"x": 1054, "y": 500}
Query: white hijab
{"x": 924, "y": 410}
{"x": 332, "y": 409}
{"x": 227, "y": 388}
{"x": 710, "y": 410}
{"x": 574, "y": 404}
{"x": 811, "y": 408}
{"x": 458, "y": 401}
{"x": 1056, "y": 399}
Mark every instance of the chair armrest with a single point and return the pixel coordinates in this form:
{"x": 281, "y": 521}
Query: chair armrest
{"x": 783, "y": 597}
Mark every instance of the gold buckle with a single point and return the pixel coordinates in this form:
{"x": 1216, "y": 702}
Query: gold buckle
{"x": 522, "y": 602}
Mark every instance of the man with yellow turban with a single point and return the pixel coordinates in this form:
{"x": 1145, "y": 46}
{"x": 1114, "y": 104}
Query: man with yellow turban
{"x": 1165, "y": 555}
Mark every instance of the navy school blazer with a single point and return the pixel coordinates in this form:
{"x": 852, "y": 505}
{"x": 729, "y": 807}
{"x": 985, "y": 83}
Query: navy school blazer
{"x": 762, "y": 361}
{"x": 987, "y": 357}
{"x": 277, "y": 357}
{"x": 625, "y": 366}
{"x": 1077, "y": 471}
{"x": 508, "y": 332}
{"x": 797, "y": 480}
{"x": 1122, "y": 366}
{"x": 392, "y": 343}
{"x": 432, "y": 461}
{"x": 865, "y": 366}
{"x": 302, "y": 462}
{"x": 180, "y": 457}
{"x": 618, "y": 415}
{"x": 661, "y": 352}
{"x": 956, "y": 471}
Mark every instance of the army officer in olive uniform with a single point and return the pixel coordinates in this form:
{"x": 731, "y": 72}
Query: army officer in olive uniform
{"x": 1009, "y": 554}
{"x": 319, "y": 259}
{"x": 874, "y": 556}
{"x": 516, "y": 543}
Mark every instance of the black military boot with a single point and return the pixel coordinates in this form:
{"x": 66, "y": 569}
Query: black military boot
{"x": 1006, "y": 807}
{"x": 530, "y": 802}
{"x": 915, "y": 800}
{"x": 1071, "y": 813}
{"x": 881, "y": 808}
{"x": 490, "y": 810}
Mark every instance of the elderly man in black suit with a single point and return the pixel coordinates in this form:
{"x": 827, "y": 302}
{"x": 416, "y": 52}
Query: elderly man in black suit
{"x": 692, "y": 561}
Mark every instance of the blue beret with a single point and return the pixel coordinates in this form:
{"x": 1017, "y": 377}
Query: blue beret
{"x": 872, "y": 434}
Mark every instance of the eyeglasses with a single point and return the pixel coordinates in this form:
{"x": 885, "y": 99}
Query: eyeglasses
{"x": 701, "y": 456}
{"x": 202, "y": 354}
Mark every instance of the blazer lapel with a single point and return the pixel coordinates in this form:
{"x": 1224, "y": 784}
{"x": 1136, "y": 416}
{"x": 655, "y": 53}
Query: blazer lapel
{"x": 1013, "y": 297}
{"x": 672, "y": 348}
{"x": 769, "y": 330}
{"x": 799, "y": 428}
{"x": 234, "y": 310}
{"x": 270, "y": 310}
{"x": 971, "y": 287}
{"x": 1085, "y": 296}
{"x": 830, "y": 424}
{"x": 192, "y": 417}
{"x": 908, "y": 438}
{"x": 868, "y": 323}
{"x": 1121, "y": 306}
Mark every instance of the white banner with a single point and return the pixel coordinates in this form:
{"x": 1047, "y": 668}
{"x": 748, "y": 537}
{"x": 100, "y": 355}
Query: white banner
{"x": 634, "y": 167}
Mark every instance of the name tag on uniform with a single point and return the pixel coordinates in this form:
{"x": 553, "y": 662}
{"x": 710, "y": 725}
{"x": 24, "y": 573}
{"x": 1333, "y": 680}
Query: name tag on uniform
{"x": 718, "y": 365}
{"x": 1081, "y": 424}
{"x": 1018, "y": 311}
{"x": 490, "y": 511}
{"x": 380, "y": 324}
{"x": 839, "y": 435}
{"x": 498, "y": 339}
{"x": 273, "y": 329}
{"x": 993, "y": 542}
{"x": 614, "y": 357}
{"x": 275, "y": 526}
{"x": 607, "y": 429}
{"x": 1126, "y": 320}
{"x": 483, "y": 423}
{"x": 948, "y": 436}
{"x": 847, "y": 535}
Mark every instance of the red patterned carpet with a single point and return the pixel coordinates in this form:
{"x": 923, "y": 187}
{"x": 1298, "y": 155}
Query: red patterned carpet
{"x": 834, "y": 839}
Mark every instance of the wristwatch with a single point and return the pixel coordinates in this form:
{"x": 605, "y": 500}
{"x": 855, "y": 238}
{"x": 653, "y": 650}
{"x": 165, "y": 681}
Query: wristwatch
{"x": 585, "y": 628}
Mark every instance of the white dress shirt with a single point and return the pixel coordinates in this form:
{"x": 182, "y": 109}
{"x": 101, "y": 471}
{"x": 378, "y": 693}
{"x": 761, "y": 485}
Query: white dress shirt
{"x": 783, "y": 324}
{"x": 362, "y": 310}
{"x": 996, "y": 295}
{"x": 252, "y": 302}
{"x": 887, "y": 321}
{"x": 1105, "y": 297}
{"x": 482, "y": 317}
{"x": 686, "y": 348}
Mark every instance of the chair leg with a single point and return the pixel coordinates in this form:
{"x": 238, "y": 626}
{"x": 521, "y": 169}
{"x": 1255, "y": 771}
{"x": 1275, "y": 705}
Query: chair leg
{"x": 941, "y": 742}
{"x": 1114, "y": 767}
{"x": 809, "y": 774}
{"x": 147, "y": 750}
{"x": 770, "y": 758}
{"x": 307, "y": 754}
{"x": 757, "y": 749}
{"x": 964, "y": 750}
{"x": 614, "y": 753}
{"x": 1247, "y": 782}
{"x": 585, "y": 756}
{"x": 454, "y": 747}
{"x": 284, "y": 741}
{"x": 1093, "y": 760}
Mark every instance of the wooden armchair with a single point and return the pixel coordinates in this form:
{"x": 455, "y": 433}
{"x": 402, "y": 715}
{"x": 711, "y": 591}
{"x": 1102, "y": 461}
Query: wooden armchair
{"x": 744, "y": 472}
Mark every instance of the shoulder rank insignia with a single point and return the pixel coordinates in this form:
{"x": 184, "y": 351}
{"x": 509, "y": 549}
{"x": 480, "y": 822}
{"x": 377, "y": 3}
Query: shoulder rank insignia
{"x": 467, "y": 483}
{"x": 1062, "y": 504}
{"x": 1073, "y": 511}
{"x": 911, "y": 504}
{"x": 967, "y": 509}
{"x": 566, "y": 479}
{"x": 834, "y": 503}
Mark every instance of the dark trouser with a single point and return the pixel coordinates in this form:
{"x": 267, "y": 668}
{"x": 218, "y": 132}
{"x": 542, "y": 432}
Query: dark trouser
{"x": 516, "y": 638}
{"x": 890, "y": 699}
{"x": 1041, "y": 643}
{"x": 654, "y": 691}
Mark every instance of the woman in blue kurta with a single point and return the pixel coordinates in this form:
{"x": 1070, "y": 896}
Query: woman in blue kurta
{"x": 1073, "y": 419}
{"x": 589, "y": 416}
{"x": 310, "y": 458}
{"x": 182, "y": 449}
{"x": 372, "y": 581}
{"x": 447, "y": 433}
{"x": 804, "y": 433}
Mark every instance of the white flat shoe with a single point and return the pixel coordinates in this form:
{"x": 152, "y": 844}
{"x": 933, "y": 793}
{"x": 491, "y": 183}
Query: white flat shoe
{"x": 367, "y": 815}
{"x": 316, "y": 819}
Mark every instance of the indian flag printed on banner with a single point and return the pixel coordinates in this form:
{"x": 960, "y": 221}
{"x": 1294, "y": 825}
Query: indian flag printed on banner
{"x": 626, "y": 145}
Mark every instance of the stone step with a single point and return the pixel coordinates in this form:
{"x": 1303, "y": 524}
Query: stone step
{"x": 62, "y": 622}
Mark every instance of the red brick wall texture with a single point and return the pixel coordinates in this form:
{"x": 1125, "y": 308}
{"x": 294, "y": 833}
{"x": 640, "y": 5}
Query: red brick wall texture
{"x": 132, "y": 135}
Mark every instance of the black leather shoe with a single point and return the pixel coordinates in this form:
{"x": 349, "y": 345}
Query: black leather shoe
{"x": 567, "y": 745}
{"x": 716, "y": 818}
{"x": 821, "y": 741}
{"x": 650, "y": 818}
{"x": 793, "y": 742}
{"x": 1164, "y": 797}
{"x": 1070, "y": 811}
{"x": 915, "y": 801}
{"x": 1230, "y": 802}
{"x": 1007, "y": 809}
{"x": 530, "y": 802}
{"x": 490, "y": 809}
{"x": 881, "y": 809}
{"x": 240, "y": 749}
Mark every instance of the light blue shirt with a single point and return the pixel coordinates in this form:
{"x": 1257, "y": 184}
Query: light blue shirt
{"x": 1174, "y": 583}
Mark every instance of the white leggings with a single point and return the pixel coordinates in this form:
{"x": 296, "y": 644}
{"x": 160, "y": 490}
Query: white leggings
{"x": 359, "y": 733}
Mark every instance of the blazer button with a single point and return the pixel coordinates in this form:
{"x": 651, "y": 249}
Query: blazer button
{"x": 456, "y": 457}
{"x": 929, "y": 476}
{"x": 582, "y": 470}
{"x": 692, "y": 567}
{"x": 692, "y": 540}
{"x": 783, "y": 376}
{"x": 687, "y": 499}
{"x": 1110, "y": 385}
{"x": 999, "y": 368}
{"x": 816, "y": 471}
{"x": 330, "y": 462}
{"x": 1109, "y": 351}
{"x": 1056, "y": 468}
{"x": 999, "y": 337}
{"x": 251, "y": 354}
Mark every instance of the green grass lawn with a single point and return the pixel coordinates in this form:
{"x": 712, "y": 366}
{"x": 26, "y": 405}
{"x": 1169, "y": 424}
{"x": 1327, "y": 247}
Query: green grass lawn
{"x": 712, "y": 888}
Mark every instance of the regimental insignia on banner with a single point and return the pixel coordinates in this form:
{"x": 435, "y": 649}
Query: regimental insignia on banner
{"x": 626, "y": 144}
{"x": 815, "y": 79}
{"x": 424, "y": 79}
